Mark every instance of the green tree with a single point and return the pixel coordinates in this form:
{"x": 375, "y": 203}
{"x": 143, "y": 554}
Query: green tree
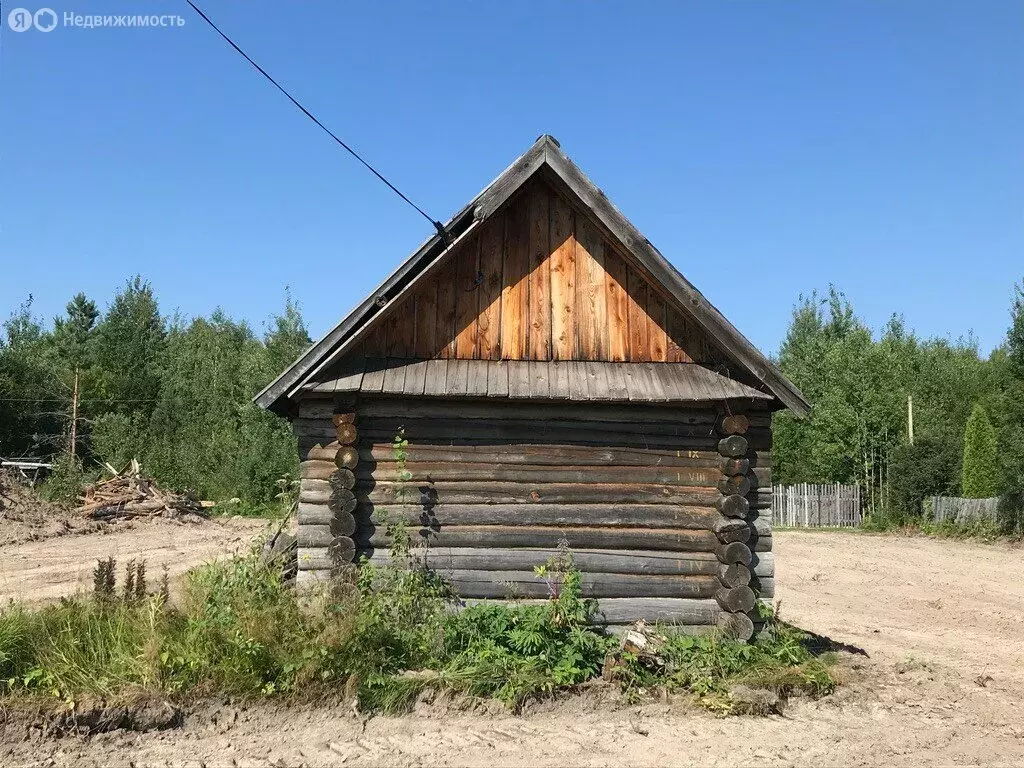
{"x": 30, "y": 422}
{"x": 73, "y": 332}
{"x": 129, "y": 347}
{"x": 980, "y": 462}
{"x": 288, "y": 337}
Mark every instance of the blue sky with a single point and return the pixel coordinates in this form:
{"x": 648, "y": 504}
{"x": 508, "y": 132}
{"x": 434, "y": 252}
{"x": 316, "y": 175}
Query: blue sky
{"x": 784, "y": 144}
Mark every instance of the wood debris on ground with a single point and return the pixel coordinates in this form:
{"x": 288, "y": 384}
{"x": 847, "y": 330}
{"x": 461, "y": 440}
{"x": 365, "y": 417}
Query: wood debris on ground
{"x": 131, "y": 494}
{"x": 638, "y": 641}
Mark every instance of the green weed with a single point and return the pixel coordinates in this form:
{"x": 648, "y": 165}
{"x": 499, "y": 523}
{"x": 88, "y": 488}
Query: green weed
{"x": 240, "y": 630}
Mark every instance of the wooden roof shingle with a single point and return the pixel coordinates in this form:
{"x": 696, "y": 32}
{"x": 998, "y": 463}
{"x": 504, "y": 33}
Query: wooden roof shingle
{"x": 534, "y": 380}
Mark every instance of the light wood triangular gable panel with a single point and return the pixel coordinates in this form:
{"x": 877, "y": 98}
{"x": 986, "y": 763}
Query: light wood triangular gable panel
{"x": 538, "y": 281}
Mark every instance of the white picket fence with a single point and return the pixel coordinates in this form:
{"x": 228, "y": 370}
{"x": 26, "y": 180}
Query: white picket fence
{"x": 960, "y": 510}
{"x": 816, "y": 506}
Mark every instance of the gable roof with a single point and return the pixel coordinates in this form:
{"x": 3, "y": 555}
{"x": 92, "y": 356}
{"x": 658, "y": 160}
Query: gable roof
{"x": 545, "y": 156}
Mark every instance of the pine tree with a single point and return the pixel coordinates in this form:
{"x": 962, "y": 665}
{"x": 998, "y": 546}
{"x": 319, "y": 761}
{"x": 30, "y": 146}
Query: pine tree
{"x": 980, "y": 479}
{"x": 71, "y": 334}
{"x": 129, "y": 345}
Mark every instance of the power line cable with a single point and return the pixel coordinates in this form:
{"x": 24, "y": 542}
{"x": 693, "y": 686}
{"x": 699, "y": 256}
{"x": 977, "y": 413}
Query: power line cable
{"x": 437, "y": 224}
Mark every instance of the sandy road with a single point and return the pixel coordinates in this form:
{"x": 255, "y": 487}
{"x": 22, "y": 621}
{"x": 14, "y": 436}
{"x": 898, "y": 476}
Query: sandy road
{"x": 935, "y": 677}
{"x": 42, "y": 570}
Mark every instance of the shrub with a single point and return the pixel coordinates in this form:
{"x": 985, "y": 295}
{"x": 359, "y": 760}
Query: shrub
{"x": 65, "y": 481}
{"x": 916, "y": 471}
{"x": 514, "y": 651}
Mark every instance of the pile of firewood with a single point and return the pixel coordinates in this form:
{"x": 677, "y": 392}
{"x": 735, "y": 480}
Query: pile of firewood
{"x": 130, "y": 494}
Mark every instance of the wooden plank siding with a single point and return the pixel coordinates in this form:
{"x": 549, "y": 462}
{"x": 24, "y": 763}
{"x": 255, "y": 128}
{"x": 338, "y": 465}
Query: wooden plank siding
{"x": 539, "y": 281}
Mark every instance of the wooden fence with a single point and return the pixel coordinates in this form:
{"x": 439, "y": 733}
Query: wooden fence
{"x": 816, "y": 506}
{"x": 960, "y": 510}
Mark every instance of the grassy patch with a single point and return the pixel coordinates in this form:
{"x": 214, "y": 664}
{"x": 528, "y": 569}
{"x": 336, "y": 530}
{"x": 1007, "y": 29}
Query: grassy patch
{"x": 391, "y": 633}
{"x": 780, "y": 660}
{"x": 981, "y": 530}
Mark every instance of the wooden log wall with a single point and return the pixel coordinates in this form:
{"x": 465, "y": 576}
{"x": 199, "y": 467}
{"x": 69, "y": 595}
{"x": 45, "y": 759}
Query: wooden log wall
{"x": 540, "y": 282}
{"x": 327, "y": 523}
{"x": 656, "y": 503}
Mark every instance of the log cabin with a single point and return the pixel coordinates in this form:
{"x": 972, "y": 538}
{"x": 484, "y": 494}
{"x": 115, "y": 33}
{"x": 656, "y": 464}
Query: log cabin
{"x": 558, "y": 383}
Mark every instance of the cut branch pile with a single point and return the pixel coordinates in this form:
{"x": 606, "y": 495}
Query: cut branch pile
{"x": 130, "y": 494}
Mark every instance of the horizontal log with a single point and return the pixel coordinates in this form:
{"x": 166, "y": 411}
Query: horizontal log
{"x": 735, "y": 552}
{"x": 605, "y": 515}
{"x": 426, "y": 472}
{"x": 346, "y": 457}
{"x": 736, "y": 599}
{"x": 313, "y": 579}
{"x": 342, "y": 479}
{"x": 500, "y": 492}
{"x": 737, "y": 626}
{"x": 338, "y": 499}
{"x": 345, "y": 433}
{"x": 512, "y": 584}
{"x": 315, "y": 497}
{"x": 733, "y": 506}
{"x": 739, "y": 533}
{"x": 342, "y": 549}
{"x": 340, "y": 523}
{"x": 763, "y": 587}
{"x": 315, "y": 536}
{"x": 573, "y": 433}
{"x": 314, "y": 409}
{"x": 316, "y": 470}
{"x": 548, "y": 537}
{"x": 322, "y": 453}
{"x": 652, "y": 610}
{"x": 764, "y": 564}
{"x": 585, "y": 560}
{"x": 313, "y": 514}
{"x": 734, "y": 575}
{"x": 417, "y": 429}
{"x": 733, "y": 466}
{"x": 759, "y": 543}
{"x": 558, "y": 455}
{"x": 762, "y": 525}
{"x": 342, "y": 500}
{"x": 404, "y": 409}
{"x": 680, "y": 611}
{"x": 733, "y": 446}
{"x": 696, "y": 630}
{"x": 313, "y": 485}
{"x": 343, "y": 417}
{"x": 734, "y": 485}
{"x": 736, "y": 424}
{"x": 316, "y": 559}
{"x": 533, "y": 434}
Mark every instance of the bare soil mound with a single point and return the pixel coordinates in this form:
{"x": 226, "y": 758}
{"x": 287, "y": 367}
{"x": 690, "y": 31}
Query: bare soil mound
{"x": 26, "y": 516}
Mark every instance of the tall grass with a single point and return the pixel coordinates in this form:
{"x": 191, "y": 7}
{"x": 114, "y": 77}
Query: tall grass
{"x": 238, "y": 629}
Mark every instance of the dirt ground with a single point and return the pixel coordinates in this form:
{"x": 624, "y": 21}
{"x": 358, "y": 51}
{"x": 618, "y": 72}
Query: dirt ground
{"x": 934, "y": 668}
{"x": 48, "y": 568}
